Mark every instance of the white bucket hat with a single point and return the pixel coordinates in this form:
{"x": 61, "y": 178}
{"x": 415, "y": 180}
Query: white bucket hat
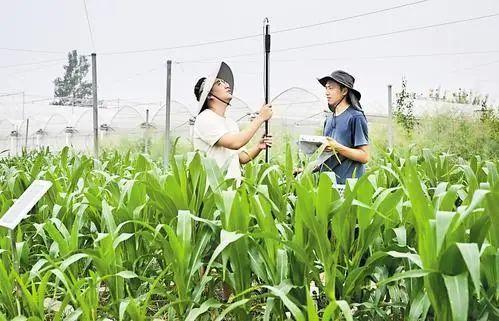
{"x": 205, "y": 84}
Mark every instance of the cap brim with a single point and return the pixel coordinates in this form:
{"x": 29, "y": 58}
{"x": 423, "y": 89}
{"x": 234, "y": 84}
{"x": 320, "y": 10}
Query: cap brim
{"x": 323, "y": 81}
{"x": 223, "y": 72}
{"x": 208, "y": 83}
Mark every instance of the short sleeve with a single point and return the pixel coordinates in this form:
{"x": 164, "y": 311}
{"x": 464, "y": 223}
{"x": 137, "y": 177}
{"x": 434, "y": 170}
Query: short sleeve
{"x": 210, "y": 129}
{"x": 360, "y": 131}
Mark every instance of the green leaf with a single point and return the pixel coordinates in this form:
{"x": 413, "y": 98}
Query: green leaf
{"x": 226, "y": 238}
{"x": 282, "y": 294}
{"x": 205, "y": 306}
{"x": 121, "y": 238}
{"x": 345, "y": 309}
{"x": 72, "y": 259}
{"x": 471, "y": 256}
{"x": 457, "y": 292}
{"x": 414, "y": 258}
{"x": 311, "y": 309}
{"x": 127, "y": 274}
{"x": 419, "y": 307}
{"x": 231, "y": 307}
{"x": 444, "y": 220}
{"x": 404, "y": 275}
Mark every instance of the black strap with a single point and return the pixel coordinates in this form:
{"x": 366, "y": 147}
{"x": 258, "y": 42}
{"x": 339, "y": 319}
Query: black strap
{"x": 227, "y": 103}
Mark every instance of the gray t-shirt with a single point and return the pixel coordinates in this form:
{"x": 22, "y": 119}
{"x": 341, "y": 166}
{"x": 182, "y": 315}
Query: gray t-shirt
{"x": 349, "y": 129}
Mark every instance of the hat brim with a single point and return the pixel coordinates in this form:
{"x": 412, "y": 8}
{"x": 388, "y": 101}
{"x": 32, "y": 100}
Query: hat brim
{"x": 223, "y": 72}
{"x": 323, "y": 81}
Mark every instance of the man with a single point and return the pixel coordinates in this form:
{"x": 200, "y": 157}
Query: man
{"x": 346, "y": 127}
{"x": 218, "y": 136}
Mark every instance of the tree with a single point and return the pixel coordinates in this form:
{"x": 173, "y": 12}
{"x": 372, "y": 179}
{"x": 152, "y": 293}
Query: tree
{"x": 404, "y": 110}
{"x": 72, "y": 89}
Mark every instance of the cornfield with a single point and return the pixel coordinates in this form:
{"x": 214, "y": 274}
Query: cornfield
{"x": 122, "y": 238}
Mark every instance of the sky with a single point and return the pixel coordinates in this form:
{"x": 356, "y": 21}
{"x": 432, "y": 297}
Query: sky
{"x": 35, "y": 37}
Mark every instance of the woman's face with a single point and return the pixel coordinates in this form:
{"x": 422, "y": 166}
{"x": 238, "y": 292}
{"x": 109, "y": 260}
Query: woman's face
{"x": 222, "y": 90}
{"x": 334, "y": 93}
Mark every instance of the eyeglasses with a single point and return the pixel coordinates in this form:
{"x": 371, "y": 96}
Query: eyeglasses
{"x": 221, "y": 82}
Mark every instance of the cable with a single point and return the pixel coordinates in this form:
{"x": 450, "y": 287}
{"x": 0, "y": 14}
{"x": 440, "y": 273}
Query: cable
{"x": 38, "y": 68}
{"x": 12, "y": 94}
{"x": 348, "y": 18}
{"x": 475, "y": 66}
{"x": 200, "y": 44}
{"x": 351, "y": 39}
{"x": 138, "y": 74}
{"x": 89, "y": 26}
{"x": 434, "y": 54}
{"x": 259, "y": 35}
{"x": 33, "y": 50}
{"x": 32, "y": 63}
{"x": 388, "y": 33}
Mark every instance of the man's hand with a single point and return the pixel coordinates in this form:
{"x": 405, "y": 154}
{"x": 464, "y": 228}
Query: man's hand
{"x": 265, "y": 112}
{"x": 264, "y": 142}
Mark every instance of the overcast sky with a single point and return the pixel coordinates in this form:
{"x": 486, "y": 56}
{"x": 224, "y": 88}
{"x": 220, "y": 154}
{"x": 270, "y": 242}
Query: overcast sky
{"x": 451, "y": 56}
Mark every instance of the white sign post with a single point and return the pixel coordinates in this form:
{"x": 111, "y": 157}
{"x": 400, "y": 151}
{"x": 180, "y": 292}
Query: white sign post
{"x": 20, "y": 210}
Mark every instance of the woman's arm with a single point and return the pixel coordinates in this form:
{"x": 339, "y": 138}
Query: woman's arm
{"x": 360, "y": 154}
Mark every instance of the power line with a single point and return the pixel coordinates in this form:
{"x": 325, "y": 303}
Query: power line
{"x": 137, "y": 74}
{"x": 475, "y": 66}
{"x": 351, "y": 39}
{"x": 388, "y": 33}
{"x": 37, "y": 68}
{"x": 200, "y": 44}
{"x": 12, "y": 94}
{"x": 89, "y": 26}
{"x": 421, "y": 55}
{"x": 32, "y": 50}
{"x": 32, "y": 63}
{"x": 349, "y": 17}
{"x": 434, "y": 54}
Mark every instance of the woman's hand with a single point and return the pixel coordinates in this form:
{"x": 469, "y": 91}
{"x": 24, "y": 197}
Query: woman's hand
{"x": 332, "y": 145}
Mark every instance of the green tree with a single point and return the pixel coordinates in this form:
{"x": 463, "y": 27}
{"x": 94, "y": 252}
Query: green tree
{"x": 72, "y": 89}
{"x": 404, "y": 110}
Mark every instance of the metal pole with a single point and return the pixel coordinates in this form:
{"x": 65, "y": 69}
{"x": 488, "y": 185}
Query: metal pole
{"x": 95, "y": 114}
{"x": 167, "y": 111}
{"x": 390, "y": 117}
{"x": 146, "y": 132}
{"x": 16, "y": 263}
{"x": 15, "y": 257}
{"x": 23, "y": 105}
{"x": 26, "y": 138}
{"x": 266, "y": 80}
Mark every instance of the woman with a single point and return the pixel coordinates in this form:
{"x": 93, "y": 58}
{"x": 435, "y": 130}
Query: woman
{"x": 346, "y": 127}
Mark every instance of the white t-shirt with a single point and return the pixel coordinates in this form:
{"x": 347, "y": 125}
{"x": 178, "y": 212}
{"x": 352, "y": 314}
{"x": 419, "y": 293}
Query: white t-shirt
{"x": 209, "y": 127}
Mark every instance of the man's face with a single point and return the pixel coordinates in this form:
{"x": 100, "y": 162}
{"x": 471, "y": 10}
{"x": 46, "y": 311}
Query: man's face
{"x": 334, "y": 93}
{"x": 222, "y": 90}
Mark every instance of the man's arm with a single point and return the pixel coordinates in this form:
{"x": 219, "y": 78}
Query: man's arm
{"x": 252, "y": 153}
{"x": 238, "y": 140}
{"x": 249, "y": 155}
